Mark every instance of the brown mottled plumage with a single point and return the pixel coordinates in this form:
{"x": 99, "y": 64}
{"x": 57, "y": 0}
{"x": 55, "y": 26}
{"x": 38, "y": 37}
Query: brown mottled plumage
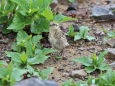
{"x": 57, "y": 38}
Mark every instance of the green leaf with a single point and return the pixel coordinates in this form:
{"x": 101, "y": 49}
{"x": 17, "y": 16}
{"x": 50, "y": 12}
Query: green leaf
{"x": 103, "y": 54}
{"x": 19, "y": 75}
{"x": 61, "y": 18}
{"x": 2, "y": 63}
{"x": 67, "y": 83}
{"x": 15, "y": 47}
{"x": 77, "y": 37}
{"x": 44, "y": 4}
{"x": 104, "y": 66}
{"x": 84, "y": 60}
{"x": 90, "y": 69}
{"x": 3, "y": 19}
{"x": 37, "y": 59}
{"x": 111, "y": 34}
{"x": 36, "y": 39}
{"x": 40, "y": 25}
{"x": 3, "y": 72}
{"x": 48, "y": 14}
{"x": 14, "y": 56}
{"x": 72, "y": 1}
{"x": 90, "y": 38}
{"x": 19, "y": 22}
{"x": 46, "y": 72}
{"x": 29, "y": 48}
{"x": 84, "y": 31}
{"x": 71, "y": 32}
{"x": 22, "y": 36}
{"x": 24, "y": 58}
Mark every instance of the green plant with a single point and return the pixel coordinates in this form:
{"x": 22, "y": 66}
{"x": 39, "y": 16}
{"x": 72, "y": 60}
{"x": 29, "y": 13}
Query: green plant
{"x": 71, "y": 32}
{"x": 111, "y": 34}
{"x": 36, "y": 14}
{"x": 106, "y": 79}
{"x": 83, "y": 34}
{"x": 7, "y": 77}
{"x": 9, "y": 74}
{"x": 69, "y": 83}
{"x": 94, "y": 62}
{"x": 72, "y": 1}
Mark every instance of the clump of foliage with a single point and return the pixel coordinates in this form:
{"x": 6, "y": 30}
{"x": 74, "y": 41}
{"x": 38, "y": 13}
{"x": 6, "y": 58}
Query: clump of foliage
{"x": 36, "y": 14}
{"x": 82, "y": 34}
{"x": 72, "y": 1}
{"x": 9, "y": 74}
{"x": 94, "y": 62}
{"x": 27, "y": 49}
{"x": 106, "y": 79}
{"x": 111, "y": 34}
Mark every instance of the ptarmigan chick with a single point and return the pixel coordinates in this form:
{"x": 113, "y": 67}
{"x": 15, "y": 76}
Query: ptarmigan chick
{"x": 57, "y": 38}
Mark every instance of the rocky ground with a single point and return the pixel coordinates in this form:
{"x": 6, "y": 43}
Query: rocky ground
{"x": 65, "y": 68}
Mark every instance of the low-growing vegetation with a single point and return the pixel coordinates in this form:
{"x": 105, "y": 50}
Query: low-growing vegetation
{"x": 82, "y": 34}
{"x": 94, "y": 62}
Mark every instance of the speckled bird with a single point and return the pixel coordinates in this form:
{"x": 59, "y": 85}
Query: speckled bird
{"x": 57, "y": 38}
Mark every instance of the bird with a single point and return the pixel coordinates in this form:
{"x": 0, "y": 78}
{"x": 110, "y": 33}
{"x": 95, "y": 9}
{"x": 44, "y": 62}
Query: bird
{"x": 57, "y": 38}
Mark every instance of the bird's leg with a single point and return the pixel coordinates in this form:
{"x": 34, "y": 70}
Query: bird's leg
{"x": 62, "y": 53}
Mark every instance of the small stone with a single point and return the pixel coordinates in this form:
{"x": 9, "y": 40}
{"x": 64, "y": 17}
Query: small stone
{"x": 108, "y": 1}
{"x": 71, "y": 63}
{"x": 72, "y": 7}
{"x": 100, "y": 33}
{"x": 36, "y": 82}
{"x": 65, "y": 74}
{"x": 103, "y": 13}
{"x": 3, "y": 41}
{"x": 111, "y": 54}
{"x": 111, "y": 42}
{"x": 60, "y": 69}
{"x": 112, "y": 64}
{"x": 78, "y": 73}
{"x": 76, "y": 28}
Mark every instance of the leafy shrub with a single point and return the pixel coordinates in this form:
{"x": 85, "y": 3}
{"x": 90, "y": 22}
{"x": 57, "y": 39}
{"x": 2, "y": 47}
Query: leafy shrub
{"x": 94, "y": 62}
{"x": 106, "y": 79}
{"x": 9, "y": 74}
{"x": 17, "y": 14}
{"x": 82, "y": 34}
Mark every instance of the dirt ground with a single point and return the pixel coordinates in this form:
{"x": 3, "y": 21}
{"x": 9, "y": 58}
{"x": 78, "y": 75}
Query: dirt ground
{"x": 64, "y": 67}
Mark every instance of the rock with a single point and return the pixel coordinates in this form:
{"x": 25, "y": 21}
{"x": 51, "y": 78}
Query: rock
{"x": 72, "y": 7}
{"x": 99, "y": 33}
{"x": 76, "y": 28}
{"x": 103, "y": 13}
{"x": 111, "y": 53}
{"x": 78, "y": 73}
{"x": 112, "y": 64}
{"x": 36, "y": 82}
{"x": 3, "y": 41}
{"x": 108, "y": 1}
{"x": 65, "y": 74}
{"x": 111, "y": 42}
